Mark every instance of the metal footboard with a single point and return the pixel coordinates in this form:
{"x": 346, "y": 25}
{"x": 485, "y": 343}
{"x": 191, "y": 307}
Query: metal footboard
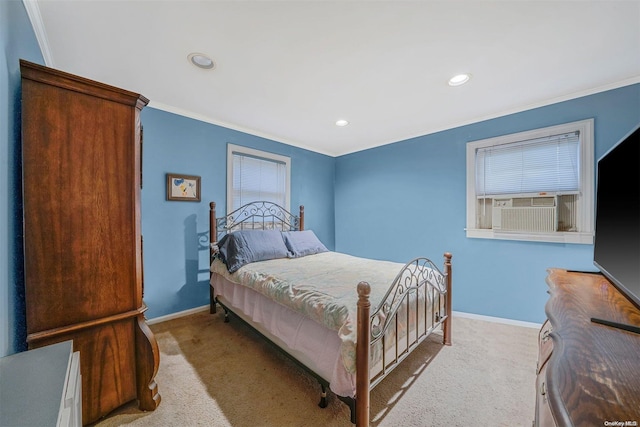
{"x": 420, "y": 296}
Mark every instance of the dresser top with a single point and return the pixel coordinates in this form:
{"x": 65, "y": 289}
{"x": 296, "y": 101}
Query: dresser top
{"x": 32, "y": 385}
{"x": 593, "y": 374}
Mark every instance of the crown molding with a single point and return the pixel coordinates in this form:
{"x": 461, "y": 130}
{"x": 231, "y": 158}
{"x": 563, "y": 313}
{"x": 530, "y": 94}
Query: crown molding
{"x": 33, "y": 11}
{"x": 203, "y": 118}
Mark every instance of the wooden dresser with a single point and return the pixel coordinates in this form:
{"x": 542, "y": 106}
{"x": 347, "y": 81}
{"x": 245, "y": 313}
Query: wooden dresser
{"x": 588, "y": 373}
{"x": 82, "y": 234}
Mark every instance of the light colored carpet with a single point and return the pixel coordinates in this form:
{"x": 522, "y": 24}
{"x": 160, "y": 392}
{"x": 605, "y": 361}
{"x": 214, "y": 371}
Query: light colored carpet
{"x": 217, "y": 374}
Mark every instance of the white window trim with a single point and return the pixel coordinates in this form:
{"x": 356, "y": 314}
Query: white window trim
{"x": 585, "y": 219}
{"x": 232, "y": 148}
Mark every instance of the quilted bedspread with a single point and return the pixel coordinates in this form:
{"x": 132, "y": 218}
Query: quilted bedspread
{"x": 320, "y": 286}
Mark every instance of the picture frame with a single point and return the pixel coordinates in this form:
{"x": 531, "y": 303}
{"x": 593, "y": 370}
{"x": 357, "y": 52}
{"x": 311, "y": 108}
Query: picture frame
{"x": 183, "y": 188}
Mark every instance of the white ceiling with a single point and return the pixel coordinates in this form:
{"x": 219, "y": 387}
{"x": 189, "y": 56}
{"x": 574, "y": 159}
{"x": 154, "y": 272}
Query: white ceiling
{"x": 287, "y": 70}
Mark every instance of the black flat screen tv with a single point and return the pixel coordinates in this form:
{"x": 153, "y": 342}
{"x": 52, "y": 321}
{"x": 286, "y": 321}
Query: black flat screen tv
{"x": 617, "y": 234}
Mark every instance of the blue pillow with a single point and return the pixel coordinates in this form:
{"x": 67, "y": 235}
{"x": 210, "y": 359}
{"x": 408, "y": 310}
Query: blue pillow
{"x": 245, "y": 246}
{"x": 302, "y": 243}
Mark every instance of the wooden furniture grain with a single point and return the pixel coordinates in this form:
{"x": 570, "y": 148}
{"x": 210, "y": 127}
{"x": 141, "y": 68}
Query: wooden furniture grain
{"x": 82, "y": 233}
{"x": 41, "y": 387}
{"x": 588, "y": 373}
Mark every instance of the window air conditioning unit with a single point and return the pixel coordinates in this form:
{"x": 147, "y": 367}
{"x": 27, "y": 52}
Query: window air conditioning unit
{"x": 533, "y": 214}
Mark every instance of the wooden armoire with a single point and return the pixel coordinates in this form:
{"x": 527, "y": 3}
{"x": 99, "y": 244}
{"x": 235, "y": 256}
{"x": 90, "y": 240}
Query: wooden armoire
{"x": 81, "y": 154}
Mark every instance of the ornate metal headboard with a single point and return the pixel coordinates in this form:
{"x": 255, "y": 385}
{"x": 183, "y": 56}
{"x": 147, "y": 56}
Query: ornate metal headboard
{"x": 260, "y": 215}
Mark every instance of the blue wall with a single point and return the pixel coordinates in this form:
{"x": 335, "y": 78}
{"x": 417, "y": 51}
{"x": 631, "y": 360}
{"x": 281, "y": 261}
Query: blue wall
{"x": 393, "y": 202}
{"x": 408, "y": 199}
{"x": 18, "y": 41}
{"x": 176, "y": 271}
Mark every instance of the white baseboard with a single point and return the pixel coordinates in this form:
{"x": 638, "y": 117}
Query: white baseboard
{"x": 183, "y": 313}
{"x": 178, "y": 314}
{"x": 497, "y": 320}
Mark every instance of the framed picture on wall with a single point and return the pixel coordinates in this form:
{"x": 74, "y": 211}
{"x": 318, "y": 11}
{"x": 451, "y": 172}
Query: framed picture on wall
{"x": 185, "y": 188}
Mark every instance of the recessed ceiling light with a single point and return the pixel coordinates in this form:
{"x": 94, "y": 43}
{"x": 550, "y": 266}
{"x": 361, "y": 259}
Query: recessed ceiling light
{"x": 201, "y": 60}
{"x": 342, "y": 122}
{"x": 459, "y": 79}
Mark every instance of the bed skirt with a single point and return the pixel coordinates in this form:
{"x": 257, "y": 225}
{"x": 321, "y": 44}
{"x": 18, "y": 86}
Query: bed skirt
{"x": 309, "y": 342}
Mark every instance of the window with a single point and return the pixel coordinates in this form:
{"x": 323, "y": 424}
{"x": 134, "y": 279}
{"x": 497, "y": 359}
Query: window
{"x": 254, "y": 175}
{"x": 535, "y": 185}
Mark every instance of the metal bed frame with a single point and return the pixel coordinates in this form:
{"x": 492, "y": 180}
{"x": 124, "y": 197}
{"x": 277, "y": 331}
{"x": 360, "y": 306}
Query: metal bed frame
{"x": 418, "y": 275}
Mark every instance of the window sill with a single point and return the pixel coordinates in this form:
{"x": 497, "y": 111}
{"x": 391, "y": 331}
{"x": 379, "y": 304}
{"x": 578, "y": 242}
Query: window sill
{"x": 559, "y": 237}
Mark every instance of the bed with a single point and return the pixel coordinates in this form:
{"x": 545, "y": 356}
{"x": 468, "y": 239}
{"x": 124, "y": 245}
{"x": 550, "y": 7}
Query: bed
{"x": 348, "y": 321}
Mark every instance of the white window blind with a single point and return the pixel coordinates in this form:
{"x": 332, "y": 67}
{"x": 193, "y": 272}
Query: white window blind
{"x": 258, "y": 179}
{"x": 549, "y": 164}
{"x": 507, "y": 173}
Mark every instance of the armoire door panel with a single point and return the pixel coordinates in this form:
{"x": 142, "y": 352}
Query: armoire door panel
{"x": 76, "y": 235}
